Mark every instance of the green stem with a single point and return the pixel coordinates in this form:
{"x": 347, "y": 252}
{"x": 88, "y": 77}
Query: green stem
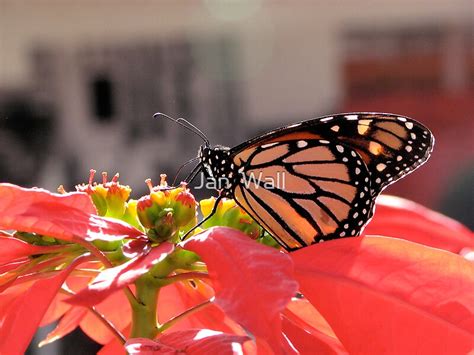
{"x": 144, "y": 309}
{"x": 144, "y": 324}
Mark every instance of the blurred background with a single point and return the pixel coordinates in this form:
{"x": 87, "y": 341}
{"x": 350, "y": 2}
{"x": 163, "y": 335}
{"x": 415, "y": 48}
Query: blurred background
{"x": 80, "y": 81}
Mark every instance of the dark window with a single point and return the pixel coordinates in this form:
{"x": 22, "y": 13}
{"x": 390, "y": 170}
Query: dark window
{"x": 102, "y": 93}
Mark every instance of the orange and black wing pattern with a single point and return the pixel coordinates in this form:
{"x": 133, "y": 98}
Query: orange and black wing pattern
{"x": 318, "y": 180}
{"x": 305, "y": 191}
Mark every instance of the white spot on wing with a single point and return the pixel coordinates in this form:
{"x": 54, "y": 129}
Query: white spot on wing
{"x": 301, "y": 144}
{"x": 269, "y": 145}
{"x": 381, "y": 166}
{"x": 351, "y": 117}
{"x": 325, "y": 119}
{"x": 409, "y": 125}
{"x": 340, "y": 148}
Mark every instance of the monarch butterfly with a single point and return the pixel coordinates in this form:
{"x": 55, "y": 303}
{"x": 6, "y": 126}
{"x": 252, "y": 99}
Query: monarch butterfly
{"x": 334, "y": 168}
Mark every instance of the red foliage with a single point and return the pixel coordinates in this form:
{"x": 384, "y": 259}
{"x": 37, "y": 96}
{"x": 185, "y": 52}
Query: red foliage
{"x": 244, "y": 287}
{"x": 117, "y": 310}
{"x": 67, "y": 324}
{"x": 191, "y": 342}
{"x": 67, "y": 217}
{"x": 365, "y": 295}
{"x": 20, "y": 320}
{"x": 385, "y": 295}
{"x": 14, "y": 249}
{"x": 401, "y": 218}
{"x": 113, "y": 279}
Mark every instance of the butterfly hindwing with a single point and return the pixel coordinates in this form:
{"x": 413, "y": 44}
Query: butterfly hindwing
{"x": 305, "y": 191}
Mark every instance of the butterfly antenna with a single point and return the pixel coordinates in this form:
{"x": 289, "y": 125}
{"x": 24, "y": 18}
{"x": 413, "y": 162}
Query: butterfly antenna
{"x": 186, "y": 124}
{"x": 181, "y": 168}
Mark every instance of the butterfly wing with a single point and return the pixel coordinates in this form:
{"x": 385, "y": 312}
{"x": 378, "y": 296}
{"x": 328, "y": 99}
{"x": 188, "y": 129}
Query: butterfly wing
{"x": 305, "y": 192}
{"x": 391, "y": 146}
{"x": 333, "y": 167}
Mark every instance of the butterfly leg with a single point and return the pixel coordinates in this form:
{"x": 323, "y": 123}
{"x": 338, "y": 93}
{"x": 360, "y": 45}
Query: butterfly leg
{"x": 181, "y": 168}
{"x": 196, "y": 170}
{"x": 214, "y": 209}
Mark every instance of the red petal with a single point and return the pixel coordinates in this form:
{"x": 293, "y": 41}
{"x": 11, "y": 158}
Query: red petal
{"x": 253, "y": 283}
{"x": 181, "y": 296}
{"x": 116, "y": 309}
{"x": 62, "y": 216}
{"x": 8, "y": 267}
{"x": 19, "y": 322}
{"x": 192, "y": 342}
{"x": 56, "y": 309}
{"x": 400, "y": 218}
{"x": 13, "y": 248}
{"x": 386, "y": 295}
{"x": 113, "y": 279}
{"x": 311, "y": 343}
{"x": 11, "y": 294}
{"x": 67, "y": 324}
{"x": 308, "y": 330}
{"x": 115, "y": 347}
{"x": 31, "y": 274}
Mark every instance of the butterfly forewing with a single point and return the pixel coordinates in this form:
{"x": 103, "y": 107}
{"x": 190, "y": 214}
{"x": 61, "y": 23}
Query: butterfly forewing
{"x": 390, "y": 145}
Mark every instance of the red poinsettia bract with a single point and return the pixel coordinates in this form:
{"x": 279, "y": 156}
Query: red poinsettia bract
{"x": 410, "y": 292}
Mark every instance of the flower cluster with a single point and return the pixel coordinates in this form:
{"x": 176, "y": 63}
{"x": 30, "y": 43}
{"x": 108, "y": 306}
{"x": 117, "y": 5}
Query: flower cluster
{"x": 166, "y": 210}
{"x": 137, "y": 276}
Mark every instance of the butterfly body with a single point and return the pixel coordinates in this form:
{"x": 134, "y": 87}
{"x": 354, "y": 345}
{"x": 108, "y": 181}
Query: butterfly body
{"x": 318, "y": 180}
{"x": 219, "y": 167}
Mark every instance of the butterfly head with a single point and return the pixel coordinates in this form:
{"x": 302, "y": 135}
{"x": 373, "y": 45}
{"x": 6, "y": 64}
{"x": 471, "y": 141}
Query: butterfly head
{"x": 217, "y": 163}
